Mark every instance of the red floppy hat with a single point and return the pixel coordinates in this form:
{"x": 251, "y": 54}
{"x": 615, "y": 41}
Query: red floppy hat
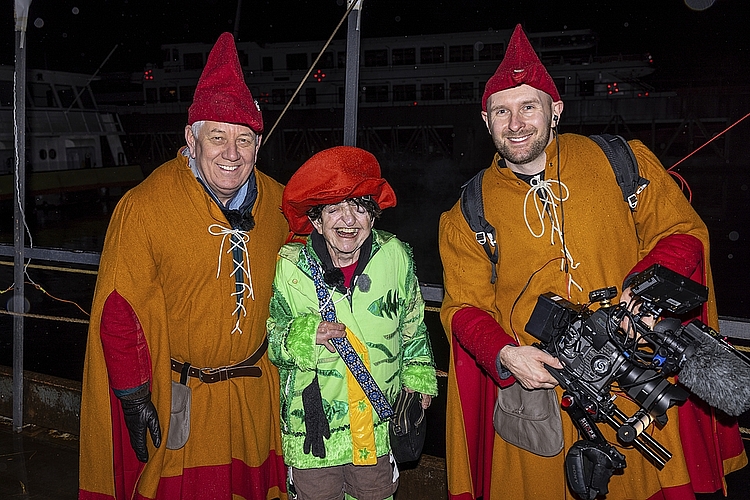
{"x": 520, "y": 65}
{"x": 332, "y": 176}
{"x": 222, "y": 94}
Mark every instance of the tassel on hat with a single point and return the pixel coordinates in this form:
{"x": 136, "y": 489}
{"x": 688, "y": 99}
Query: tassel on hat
{"x": 520, "y": 66}
{"x": 332, "y": 176}
{"x": 222, "y": 94}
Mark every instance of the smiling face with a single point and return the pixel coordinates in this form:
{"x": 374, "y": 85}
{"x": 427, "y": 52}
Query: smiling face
{"x": 520, "y": 121}
{"x": 345, "y": 226}
{"x": 224, "y": 154}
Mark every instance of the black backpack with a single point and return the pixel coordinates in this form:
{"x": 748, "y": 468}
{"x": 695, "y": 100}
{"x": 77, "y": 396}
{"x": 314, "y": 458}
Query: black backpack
{"x": 620, "y": 157}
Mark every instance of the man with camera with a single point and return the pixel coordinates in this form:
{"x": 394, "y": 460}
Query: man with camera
{"x": 561, "y": 226}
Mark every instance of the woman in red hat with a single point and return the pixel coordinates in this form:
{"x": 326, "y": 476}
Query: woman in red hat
{"x": 355, "y": 287}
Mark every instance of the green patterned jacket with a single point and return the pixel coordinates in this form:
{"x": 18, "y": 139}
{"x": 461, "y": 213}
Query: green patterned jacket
{"x": 388, "y": 319}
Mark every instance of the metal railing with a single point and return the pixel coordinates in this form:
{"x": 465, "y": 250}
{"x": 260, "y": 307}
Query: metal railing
{"x": 731, "y": 327}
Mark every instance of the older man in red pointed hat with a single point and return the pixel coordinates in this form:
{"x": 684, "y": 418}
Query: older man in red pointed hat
{"x": 179, "y": 397}
{"x": 561, "y": 226}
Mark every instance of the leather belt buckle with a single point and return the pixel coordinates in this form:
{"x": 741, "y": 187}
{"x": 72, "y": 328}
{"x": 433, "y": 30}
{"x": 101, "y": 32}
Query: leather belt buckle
{"x": 211, "y": 375}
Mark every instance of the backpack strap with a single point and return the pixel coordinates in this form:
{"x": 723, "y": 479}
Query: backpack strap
{"x": 472, "y": 207}
{"x": 621, "y": 157}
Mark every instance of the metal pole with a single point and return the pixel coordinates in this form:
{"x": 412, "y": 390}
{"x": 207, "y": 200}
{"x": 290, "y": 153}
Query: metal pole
{"x": 237, "y": 14}
{"x": 19, "y": 132}
{"x": 351, "y": 86}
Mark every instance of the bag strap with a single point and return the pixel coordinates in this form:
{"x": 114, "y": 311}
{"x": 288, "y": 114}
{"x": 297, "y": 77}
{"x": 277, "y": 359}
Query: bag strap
{"x": 621, "y": 159}
{"x": 472, "y": 207}
{"x": 623, "y": 162}
{"x": 344, "y": 347}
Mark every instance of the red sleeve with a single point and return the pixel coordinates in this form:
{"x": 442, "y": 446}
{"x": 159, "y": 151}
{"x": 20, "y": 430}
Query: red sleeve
{"x": 481, "y": 336}
{"x": 125, "y": 349}
{"x": 681, "y": 253}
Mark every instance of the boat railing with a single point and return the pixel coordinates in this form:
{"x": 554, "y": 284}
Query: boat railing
{"x": 43, "y": 331}
{"x": 732, "y": 327}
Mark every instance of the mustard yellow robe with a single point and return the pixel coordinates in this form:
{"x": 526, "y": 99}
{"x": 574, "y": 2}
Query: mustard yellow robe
{"x": 161, "y": 258}
{"x": 606, "y": 241}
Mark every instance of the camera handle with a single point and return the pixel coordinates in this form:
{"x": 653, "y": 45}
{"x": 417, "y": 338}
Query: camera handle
{"x": 590, "y": 462}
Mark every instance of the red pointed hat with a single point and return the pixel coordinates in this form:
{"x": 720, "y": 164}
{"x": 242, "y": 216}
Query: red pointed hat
{"x": 520, "y": 65}
{"x": 222, "y": 94}
{"x": 332, "y": 176}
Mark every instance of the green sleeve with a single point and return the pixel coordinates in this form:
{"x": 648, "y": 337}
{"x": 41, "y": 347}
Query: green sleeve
{"x": 418, "y": 365}
{"x": 291, "y": 337}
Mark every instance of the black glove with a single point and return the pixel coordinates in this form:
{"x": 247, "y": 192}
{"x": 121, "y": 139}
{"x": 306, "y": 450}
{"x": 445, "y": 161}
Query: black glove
{"x": 316, "y": 423}
{"x": 140, "y": 414}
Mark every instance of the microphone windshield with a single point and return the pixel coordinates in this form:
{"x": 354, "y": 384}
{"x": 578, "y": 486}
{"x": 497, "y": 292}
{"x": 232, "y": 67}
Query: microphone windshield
{"x": 718, "y": 376}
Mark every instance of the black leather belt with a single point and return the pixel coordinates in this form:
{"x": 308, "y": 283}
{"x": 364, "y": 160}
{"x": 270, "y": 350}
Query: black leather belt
{"x": 210, "y": 375}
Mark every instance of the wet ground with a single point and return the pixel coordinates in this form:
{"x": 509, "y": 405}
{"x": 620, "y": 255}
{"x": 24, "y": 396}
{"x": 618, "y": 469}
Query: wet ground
{"x": 39, "y": 464}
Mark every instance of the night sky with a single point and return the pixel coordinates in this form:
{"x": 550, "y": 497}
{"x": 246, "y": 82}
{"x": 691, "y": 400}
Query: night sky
{"x": 712, "y": 45}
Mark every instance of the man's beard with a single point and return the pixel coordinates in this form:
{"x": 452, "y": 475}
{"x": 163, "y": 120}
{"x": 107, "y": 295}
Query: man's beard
{"x": 523, "y": 157}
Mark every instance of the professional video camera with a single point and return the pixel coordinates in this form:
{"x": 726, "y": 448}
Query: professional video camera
{"x": 597, "y": 353}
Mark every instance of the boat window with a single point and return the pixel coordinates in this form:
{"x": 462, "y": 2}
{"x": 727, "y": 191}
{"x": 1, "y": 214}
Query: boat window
{"x": 311, "y": 96}
{"x": 325, "y": 61}
{"x": 267, "y": 63}
{"x": 7, "y": 165}
{"x": 6, "y": 93}
{"x": 560, "y": 84}
{"x": 492, "y": 52}
{"x": 586, "y": 88}
{"x": 432, "y": 55}
{"x": 85, "y": 97}
{"x": 52, "y": 154}
{"x": 42, "y": 96}
{"x": 151, "y": 96}
{"x": 461, "y": 90}
{"x": 193, "y": 60}
{"x": 42, "y": 154}
{"x": 564, "y": 42}
{"x": 405, "y": 92}
{"x": 433, "y": 91}
{"x": 376, "y": 93}
{"x": 186, "y": 93}
{"x": 282, "y": 96}
{"x": 401, "y": 57}
{"x": 168, "y": 94}
{"x": 170, "y": 55}
{"x": 67, "y": 96}
{"x": 461, "y": 53}
{"x": 244, "y": 60}
{"x": 341, "y": 59}
{"x": 377, "y": 57}
{"x": 296, "y": 61}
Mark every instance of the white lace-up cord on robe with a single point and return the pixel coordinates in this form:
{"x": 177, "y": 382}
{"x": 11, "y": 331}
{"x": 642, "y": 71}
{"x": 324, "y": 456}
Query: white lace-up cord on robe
{"x": 546, "y": 202}
{"x": 240, "y": 266}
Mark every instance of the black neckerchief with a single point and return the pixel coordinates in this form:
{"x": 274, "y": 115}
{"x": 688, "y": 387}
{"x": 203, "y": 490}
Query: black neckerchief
{"x": 241, "y": 218}
{"x": 524, "y": 177}
{"x": 527, "y": 177}
{"x": 332, "y": 275}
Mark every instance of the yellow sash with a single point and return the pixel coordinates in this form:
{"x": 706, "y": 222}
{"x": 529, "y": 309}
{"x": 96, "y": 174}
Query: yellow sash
{"x": 360, "y": 411}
